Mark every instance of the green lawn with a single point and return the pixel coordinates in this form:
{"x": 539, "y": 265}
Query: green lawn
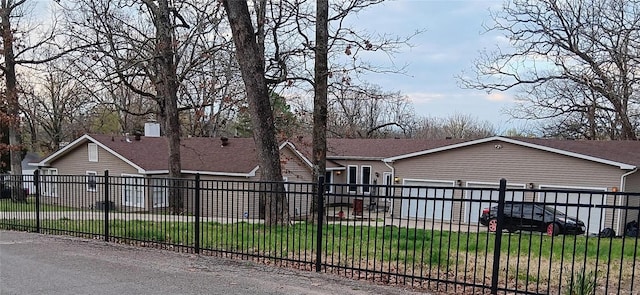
{"x": 531, "y": 258}
{"x": 6, "y": 205}
{"x": 383, "y": 243}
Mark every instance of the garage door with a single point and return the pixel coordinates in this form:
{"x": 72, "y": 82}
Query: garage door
{"x": 486, "y": 198}
{"x": 418, "y": 205}
{"x": 593, "y": 217}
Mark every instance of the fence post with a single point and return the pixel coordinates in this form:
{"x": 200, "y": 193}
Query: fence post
{"x": 106, "y": 205}
{"x": 36, "y": 184}
{"x": 320, "y": 212}
{"x": 498, "y": 241}
{"x": 197, "y": 213}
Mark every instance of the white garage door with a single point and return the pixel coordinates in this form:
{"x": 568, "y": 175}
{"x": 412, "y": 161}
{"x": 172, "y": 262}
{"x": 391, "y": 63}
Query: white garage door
{"x": 487, "y": 198}
{"x": 593, "y": 217}
{"x": 419, "y": 207}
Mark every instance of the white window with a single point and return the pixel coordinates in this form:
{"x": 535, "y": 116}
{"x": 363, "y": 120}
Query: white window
{"x": 93, "y": 152}
{"x": 48, "y": 182}
{"x": 352, "y": 177}
{"x": 159, "y": 192}
{"x": 92, "y": 185}
{"x": 366, "y": 179}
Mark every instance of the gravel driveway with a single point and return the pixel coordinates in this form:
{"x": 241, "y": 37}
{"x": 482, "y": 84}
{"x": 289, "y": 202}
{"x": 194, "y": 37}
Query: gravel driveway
{"x": 44, "y": 264}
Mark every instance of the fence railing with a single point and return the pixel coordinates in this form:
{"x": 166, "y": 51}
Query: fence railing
{"x": 452, "y": 239}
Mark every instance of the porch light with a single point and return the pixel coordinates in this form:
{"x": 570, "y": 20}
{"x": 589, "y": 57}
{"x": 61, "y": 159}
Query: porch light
{"x": 396, "y": 179}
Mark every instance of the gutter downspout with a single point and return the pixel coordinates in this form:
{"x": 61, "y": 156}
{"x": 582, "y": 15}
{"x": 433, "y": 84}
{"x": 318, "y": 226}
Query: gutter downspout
{"x": 622, "y": 185}
{"x": 393, "y": 176}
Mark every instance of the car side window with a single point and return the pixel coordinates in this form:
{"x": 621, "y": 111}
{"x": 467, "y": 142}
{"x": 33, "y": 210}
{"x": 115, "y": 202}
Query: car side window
{"x": 538, "y": 210}
{"x": 527, "y": 210}
{"x": 516, "y": 210}
{"x": 507, "y": 209}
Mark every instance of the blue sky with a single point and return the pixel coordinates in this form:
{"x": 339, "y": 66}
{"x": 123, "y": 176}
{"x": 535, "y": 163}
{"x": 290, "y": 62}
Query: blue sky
{"x": 453, "y": 37}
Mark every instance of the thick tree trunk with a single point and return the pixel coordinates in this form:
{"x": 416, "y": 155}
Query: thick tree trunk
{"x": 628, "y": 132}
{"x": 320, "y": 95}
{"x": 11, "y": 96}
{"x": 252, "y": 69}
{"x": 167, "y": 89}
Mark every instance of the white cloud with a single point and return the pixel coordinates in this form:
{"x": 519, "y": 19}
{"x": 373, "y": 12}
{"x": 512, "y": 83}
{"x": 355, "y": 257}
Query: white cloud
{"x": 424, "y": 97}
{"x": 433, "y": 97}
{"x": 498, "y": 97}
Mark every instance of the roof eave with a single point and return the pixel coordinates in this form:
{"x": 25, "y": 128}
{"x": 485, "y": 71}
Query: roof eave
{"x": 230, "y": 174}
{"x": 355, "y": 158}
{"x": 297, "y": 152}
{"x": 623, "y": 166}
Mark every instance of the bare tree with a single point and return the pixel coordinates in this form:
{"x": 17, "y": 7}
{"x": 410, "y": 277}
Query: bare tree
{"x": 23, "y": 44}
{"x": 456, "y": 126}
{"x": 151, "y": 47}
{"x": 212, "y": 97}
{"x": 368, "y": 112}
{"x": 54, "y": 104}
{"x": 11, "y": 106}
{"x": 252, "y": 68}
{"x": 569, "y": 110}
{"x": 591, "y": 44}
{"x": 321, "y": 85}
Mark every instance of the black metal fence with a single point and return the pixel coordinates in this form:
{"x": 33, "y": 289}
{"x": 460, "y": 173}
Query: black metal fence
{"x": 493, "y": 238}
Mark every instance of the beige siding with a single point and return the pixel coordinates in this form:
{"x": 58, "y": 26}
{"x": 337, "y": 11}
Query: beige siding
{"x": 486, "y": 163}
{"x": 76, "y": 162}
{"x": 299, "y": 178}
{"x": 294, "y": 169}
{"x": 226, "y": 197}
{"x": 72, "y": 191}
{"x": 238, "y": 197}
{"x": 491, "y": 161}
{"x": 632, "y": 184}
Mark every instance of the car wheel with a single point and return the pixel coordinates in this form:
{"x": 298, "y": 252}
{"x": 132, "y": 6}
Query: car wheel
{"x": 493, "y": 225}
{"x": 553, "y": 229}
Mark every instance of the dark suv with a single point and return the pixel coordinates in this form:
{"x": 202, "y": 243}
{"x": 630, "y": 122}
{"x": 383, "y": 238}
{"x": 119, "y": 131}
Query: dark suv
{"x": 532, "y": 217}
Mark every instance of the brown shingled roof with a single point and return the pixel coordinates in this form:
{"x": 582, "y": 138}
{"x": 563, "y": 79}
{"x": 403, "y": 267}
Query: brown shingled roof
{"x": 239, "y": 156}
{"x": 622, "y": 151}
{"x": 338, "y": 148}
{"x": 197, "y": 154}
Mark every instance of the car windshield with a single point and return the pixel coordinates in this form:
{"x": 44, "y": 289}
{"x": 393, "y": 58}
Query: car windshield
{"x": 553, "y": 211}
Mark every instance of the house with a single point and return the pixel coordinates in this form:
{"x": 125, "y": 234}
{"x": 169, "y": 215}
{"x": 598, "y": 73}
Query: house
{"x": 545, "y": 164}
{"x": 527, "y": 163}
{"x": 354, "y": 165}
{"x": 139, "y": 165}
